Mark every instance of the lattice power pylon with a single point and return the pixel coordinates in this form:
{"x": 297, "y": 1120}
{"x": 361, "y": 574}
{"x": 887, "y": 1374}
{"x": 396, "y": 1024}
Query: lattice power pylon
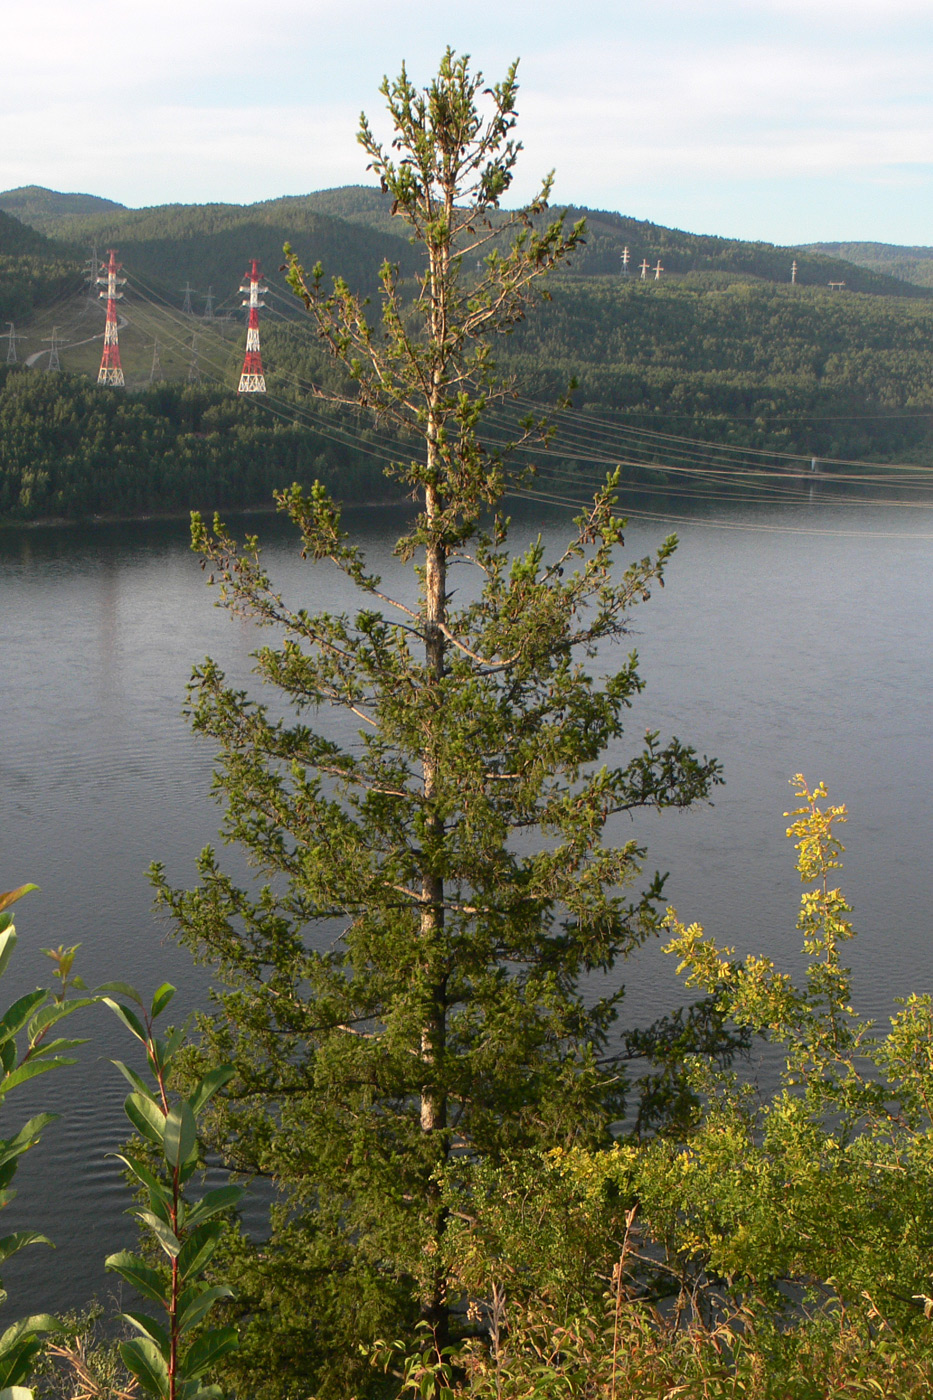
{"x": 155, "y": 374}
{"x": 91, "y": 269}
{"x": 252, "y": 380}
{"x": 194, "y": 369}
{"x": 111, "y": 371}
{"x": 11, "y": 337}
{"x": 54, "y": 363}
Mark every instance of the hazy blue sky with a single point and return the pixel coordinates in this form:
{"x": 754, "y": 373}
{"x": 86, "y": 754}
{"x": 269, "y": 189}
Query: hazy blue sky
{"x": 787, "y": 120}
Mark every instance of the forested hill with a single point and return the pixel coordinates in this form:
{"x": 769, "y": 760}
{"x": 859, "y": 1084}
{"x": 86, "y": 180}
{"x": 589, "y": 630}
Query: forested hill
{"x": 608, "y": 234}
{"x": 68, "y": 449}
{"x": 46, "y": 210}
{"x": 910, "y": 263}
{"x": 18, "y": 239}
{"x": 210, "y": 245}
{"x": 680, "y": 252}
{"x": 34, "y": 271}
{"x": 351, "y": 229}
{"x": 798, "y": 369}
{"x": 721, "y": 349}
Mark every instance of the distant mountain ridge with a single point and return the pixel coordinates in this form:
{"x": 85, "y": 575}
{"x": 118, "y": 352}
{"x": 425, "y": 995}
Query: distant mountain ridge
{"x": 209, "y": 245}
{"x": 45, "y": 209}
{"x": 351, "y": 229}
{"x": 911, "y": 263}
{"x": 721, "y": 346}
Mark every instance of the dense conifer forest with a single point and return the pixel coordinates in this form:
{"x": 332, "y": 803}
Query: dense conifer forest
{"x": 70, "y": 450}
{"x": 911, "y": 264}
{"x": 802, "y": 370}
{"x": 34, "y": 272}
{"x": 720, "y": 348}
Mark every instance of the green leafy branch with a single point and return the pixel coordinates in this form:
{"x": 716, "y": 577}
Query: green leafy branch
{"x": 171, "y": 1356}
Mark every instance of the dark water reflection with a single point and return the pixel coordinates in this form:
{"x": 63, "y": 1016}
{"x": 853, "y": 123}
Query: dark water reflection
{"x": 789, "y": 637}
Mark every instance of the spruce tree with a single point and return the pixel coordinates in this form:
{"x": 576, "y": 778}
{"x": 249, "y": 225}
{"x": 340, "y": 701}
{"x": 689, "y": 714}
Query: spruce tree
{"x": 457, "y": 847}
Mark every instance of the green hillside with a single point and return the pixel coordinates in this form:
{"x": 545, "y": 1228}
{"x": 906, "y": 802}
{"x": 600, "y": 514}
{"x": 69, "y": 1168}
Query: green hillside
{"x": 680, "y": 252}
{"x": 608, "y": 234}
{"x": 800, "y": 369}
{"x": 48, "y": 210}
{"x": 210, "y": 245}
{"x": 910, "y": 264}
{"x": 721, "y": 349}
{"x": 352, "y": 228}
{"x": 19, "y": 239}
{"x": 34, "y": 271}
{"x": 356, "y": 204}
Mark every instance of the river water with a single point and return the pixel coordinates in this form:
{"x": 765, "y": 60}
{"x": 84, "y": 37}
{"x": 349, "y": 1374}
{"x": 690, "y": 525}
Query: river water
{"x": 790, "y": 637}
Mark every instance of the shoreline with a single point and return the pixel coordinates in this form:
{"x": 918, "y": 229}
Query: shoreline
{"x": 148, "y": 517}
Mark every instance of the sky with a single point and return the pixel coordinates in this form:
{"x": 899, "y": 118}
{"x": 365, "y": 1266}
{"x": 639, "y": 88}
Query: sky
{"x": 791, "y": 121}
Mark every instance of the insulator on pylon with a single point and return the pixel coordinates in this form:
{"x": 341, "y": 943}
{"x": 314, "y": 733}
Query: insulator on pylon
{"x": 111, "y": 371}
{"x": 252, "y": 380}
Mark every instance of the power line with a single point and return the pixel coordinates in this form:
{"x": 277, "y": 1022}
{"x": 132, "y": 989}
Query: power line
{"x": 719, "y": 470}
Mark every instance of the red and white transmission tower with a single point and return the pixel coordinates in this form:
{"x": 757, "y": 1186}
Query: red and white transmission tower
{"x": 111, "y": 371}
{"x": 252, "y": 380}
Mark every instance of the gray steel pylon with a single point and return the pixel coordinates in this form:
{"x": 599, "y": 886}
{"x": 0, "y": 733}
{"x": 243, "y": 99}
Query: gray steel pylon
{"x": 194, "y": 369}
{"x": 53, "y": 363}
{"x": 155, "y": 374}
{"x": 91, "y": 269}
{"x": 11, "y": 339}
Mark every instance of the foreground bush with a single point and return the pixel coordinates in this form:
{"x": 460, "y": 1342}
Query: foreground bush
{"x": 773, "y": 1246}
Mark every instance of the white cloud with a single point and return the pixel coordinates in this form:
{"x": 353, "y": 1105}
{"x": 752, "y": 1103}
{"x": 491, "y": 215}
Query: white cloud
{"x": 842, "y": 13}
{"x": 214, "y": 100}
{"x": 751, "y": 111}
{"x": 175, "y": 153}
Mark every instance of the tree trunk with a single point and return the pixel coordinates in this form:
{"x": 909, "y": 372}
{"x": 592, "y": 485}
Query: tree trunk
{"x": 434, "y": 1303}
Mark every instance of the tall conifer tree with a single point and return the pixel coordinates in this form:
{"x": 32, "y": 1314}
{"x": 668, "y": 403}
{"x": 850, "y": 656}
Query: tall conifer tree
{"x": 458, "y": 845}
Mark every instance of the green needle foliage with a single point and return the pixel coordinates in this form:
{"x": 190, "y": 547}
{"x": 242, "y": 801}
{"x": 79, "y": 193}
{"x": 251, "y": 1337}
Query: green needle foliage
{"x": 404, "y": 990}
{"x": 171, "y": 1355}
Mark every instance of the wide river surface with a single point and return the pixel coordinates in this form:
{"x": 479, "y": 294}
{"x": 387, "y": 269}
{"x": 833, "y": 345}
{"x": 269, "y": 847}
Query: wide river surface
{"x": 789, "y": 637}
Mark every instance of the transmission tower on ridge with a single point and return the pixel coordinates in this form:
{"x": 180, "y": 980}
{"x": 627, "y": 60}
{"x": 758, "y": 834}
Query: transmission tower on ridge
{"x": 111, "y": 371}
{"x": 186, "y": 307}
{"x": 252, "y": 380}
